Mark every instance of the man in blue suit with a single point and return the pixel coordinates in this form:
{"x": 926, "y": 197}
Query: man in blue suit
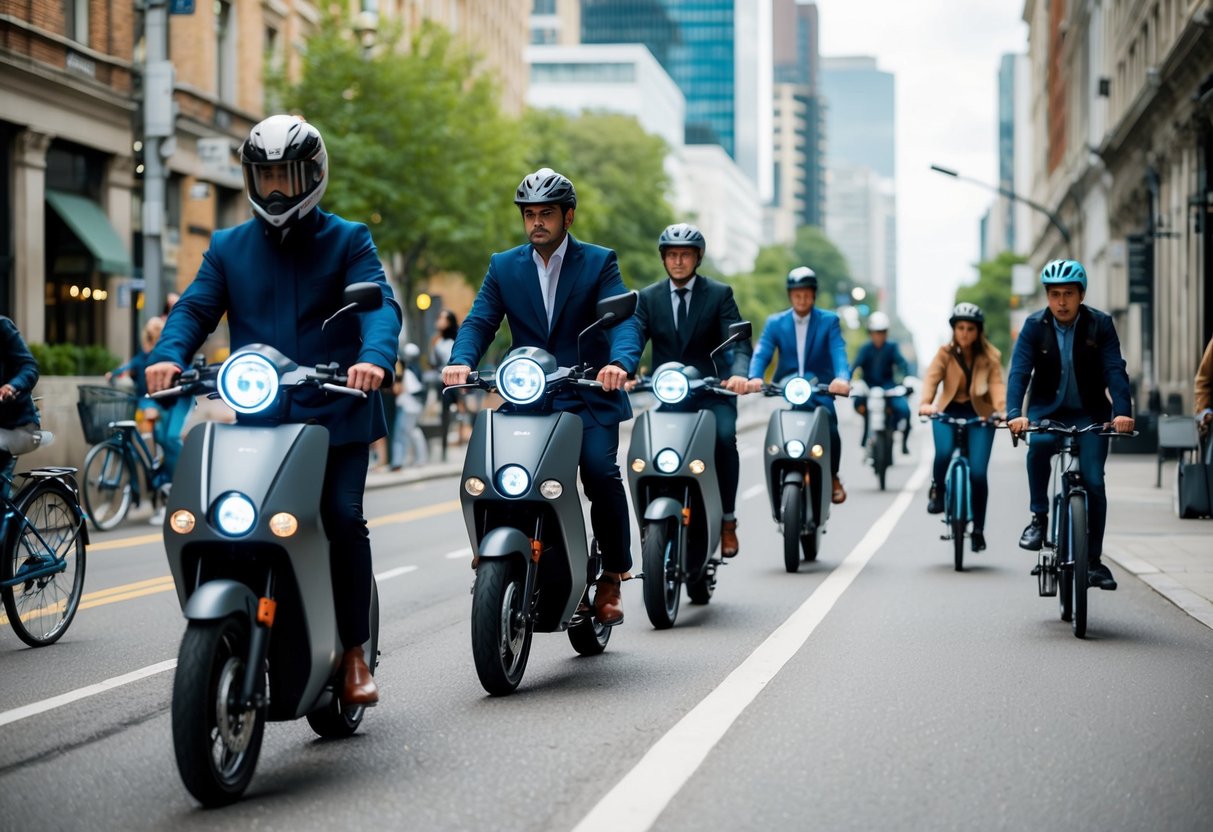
{"x": 277, "y": 277}
{"x": 809, "y": 343}
{"x": 549, "y": 289}
{"x": 1069, "y": 356}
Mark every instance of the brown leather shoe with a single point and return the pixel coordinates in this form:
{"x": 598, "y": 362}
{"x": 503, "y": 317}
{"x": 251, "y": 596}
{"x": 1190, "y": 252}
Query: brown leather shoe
{"x": 840, "y": 493}
{"x": 359, "y": 687}
{"x": 729, "y": 547}
{"x": 608, "y": 604}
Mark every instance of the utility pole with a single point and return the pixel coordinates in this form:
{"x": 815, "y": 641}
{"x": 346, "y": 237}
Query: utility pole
{"x": 159, "y": 143}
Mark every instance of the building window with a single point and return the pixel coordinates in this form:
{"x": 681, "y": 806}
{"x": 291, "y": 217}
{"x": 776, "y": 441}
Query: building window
{"x": 75, "y": 13}
{"x": 225, "y": 51}
{"x": 544, "y": 7}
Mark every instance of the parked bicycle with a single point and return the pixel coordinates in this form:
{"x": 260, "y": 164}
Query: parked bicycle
{"x": 43, "y": 541}
{"x": 957, "y": 485}
{"x": 121, "y": 468}
{"x": 1062, "y": 562}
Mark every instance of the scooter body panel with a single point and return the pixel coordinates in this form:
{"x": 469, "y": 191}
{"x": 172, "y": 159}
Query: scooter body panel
{"x": 809, "y": 427}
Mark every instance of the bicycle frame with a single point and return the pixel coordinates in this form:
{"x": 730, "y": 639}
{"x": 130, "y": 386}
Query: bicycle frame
{"x": 132, "y": 446}
{"x": 11, "y": 512}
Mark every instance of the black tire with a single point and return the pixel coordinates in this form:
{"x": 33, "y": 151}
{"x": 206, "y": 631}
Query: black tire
{"x": 40, "y": 610}
{"x": 589, "y": 638}
{"x": 216, "y": 751}
{"x": 700, "y": 591}
{"x": 882, "y": 456}
{"x": 791, "y": 512}
{"x": 956, "y": 499}
{"x": 810, "y": 544}
{"x": 662, "y": 573}
{"x": 107, "y": 484}
{"x": 335, "y": 721}
{"x": 1077, "y": 533}
{"x": 501, "y": 635}
{"x": 1065, "y": 570}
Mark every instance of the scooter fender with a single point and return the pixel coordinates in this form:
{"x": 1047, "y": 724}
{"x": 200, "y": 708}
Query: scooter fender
{"x": 504, "y": 542}
{"x": 663, "y": 508}
{"x": 218, "y": 599}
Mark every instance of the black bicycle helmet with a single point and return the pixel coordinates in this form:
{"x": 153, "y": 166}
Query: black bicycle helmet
{"x": 802, "y": 277}
{"x": 545, "y": 187}
{"x": 968, "y": 312}
{"x": 286, "y": 169}
{"x": 682, "y": 234}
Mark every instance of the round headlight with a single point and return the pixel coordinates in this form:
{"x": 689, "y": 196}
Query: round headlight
{"x": 551, "y": 489}
{"x": 797, "y": 391}
{"x": 817, "y": 451}
{"x": 670, "y": 386}
{"x": 284, "y": 524}
{"x": 667, "y": 461}
{"x": 638, "y": 465}
{"x": 697, "y": 466}
{"x": 248, "y": 382}
{"x": 513, "y": 480}
{"x": 235, "y": 514}
{"x": 521, "y": 380}
{"x": 795, "y": 448}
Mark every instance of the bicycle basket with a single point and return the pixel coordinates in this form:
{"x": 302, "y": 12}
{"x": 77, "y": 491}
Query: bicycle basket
{"x": 98, "y": 406}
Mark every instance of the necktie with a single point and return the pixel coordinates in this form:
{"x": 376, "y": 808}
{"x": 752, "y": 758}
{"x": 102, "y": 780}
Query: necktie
{"x": 682, "y": 308}
{"x": 550, "y": 300}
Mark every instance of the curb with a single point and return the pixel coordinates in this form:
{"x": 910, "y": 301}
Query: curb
{"x": 1195, "y": 605}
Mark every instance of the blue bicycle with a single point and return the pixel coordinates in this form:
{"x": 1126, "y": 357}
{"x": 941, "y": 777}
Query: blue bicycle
{"x": 958, "y": 486}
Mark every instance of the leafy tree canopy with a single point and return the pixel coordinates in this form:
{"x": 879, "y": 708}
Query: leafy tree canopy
{"x": 992, "y": 292}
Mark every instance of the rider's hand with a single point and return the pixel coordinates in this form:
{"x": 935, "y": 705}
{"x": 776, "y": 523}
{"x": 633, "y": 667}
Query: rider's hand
{"x": 161, "y": 376}
{"x": 455, "y": 374}
{"x": 754, "y": 385}
{"x": 1203, "y": 419}
{"x": 840, "y": 387}
{"x": 630, "y": 385}
{"x": 737, "y": 384}
{"x": 365, "y": 376}
{"x": 7, "y": 392}
{"x": 612, "y": 377}
{"x": 1018, "y": 426}
{"x": 1122, "y": 424}
{"x": 926, "y": 409}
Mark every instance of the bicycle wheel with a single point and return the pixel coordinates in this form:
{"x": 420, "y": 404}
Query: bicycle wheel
{"x": 1077, "y": 544}
{"x": 41, "y": 608}
{"x": 107, "y": 483}
{"x": 956, "y": 499}
{"x": 1065, "y": 569}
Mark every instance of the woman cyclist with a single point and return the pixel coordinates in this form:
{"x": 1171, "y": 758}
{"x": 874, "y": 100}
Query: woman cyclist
{"x": 965, "y": 381}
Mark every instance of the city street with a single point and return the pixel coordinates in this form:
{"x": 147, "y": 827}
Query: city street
{"x": 875, "y": 689}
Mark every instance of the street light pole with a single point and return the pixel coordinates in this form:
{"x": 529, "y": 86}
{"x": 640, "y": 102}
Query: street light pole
{"x": 1014, "y": 197}
{"x": 158, "y": 129}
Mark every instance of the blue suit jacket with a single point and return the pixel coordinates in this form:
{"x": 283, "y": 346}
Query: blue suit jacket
{"x": 511, "y": 290}
{"x": 878, "y": 365}
{"x": 279, "y": 294}
{"x": 825, "y": 356}
{"x": 18, "y": 368}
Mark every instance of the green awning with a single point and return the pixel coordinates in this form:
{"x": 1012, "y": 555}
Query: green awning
{"x": 88, "y": 222}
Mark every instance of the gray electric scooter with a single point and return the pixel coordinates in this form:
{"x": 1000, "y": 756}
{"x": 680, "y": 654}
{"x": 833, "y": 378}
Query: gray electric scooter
{"x": 251, "y": 564}
{"x": 797, "y": 458}
{"x": 523, "y": 513}
{"x": 675, "y": 493}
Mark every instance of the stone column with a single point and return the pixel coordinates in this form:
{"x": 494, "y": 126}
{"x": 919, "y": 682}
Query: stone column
{"x": 29, "y": 232}
{"x": 117, "y": 200}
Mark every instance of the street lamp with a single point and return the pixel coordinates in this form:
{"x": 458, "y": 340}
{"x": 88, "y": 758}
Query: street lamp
{"x": 1014, "y": 197}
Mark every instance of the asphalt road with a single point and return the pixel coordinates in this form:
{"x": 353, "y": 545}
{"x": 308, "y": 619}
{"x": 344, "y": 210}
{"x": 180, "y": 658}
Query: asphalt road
{"x": 877, "y": 688}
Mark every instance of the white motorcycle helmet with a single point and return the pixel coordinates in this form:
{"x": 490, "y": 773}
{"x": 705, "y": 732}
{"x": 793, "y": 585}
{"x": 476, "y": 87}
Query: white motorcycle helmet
{"x": 286, "y": 169}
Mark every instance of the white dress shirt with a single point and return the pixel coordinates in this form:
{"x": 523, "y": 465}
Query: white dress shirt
{"x": 802, "y": 334}
{"x": 549, "y": 275}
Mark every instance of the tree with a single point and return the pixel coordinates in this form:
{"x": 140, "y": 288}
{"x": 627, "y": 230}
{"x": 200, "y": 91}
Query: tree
{"x": 814, "y": 249}
{"x": 619, "y": 172}
{"x": 992, "y": 292}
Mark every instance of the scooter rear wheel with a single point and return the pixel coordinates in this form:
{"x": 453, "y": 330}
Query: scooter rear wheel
{"x": 216, "y": 744}
{"x": 662, "y": 578}
{"x": 791, "y": 513}
{"x": 501, "y": 635}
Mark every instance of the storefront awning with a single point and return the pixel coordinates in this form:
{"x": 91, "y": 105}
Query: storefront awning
{"x": 88, "y": 222}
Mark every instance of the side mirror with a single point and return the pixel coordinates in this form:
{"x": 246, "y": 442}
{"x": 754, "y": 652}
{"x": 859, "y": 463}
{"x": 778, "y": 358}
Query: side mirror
{"x": 740, "y": 331}
{"x": 615, "y": 310}
{"x": 364, "y": 297}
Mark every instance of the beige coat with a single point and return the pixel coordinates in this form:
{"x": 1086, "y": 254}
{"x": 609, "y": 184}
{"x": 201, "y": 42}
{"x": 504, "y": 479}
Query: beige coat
{"x": 945, "y": 378}
{"x": 1204, "y": 380}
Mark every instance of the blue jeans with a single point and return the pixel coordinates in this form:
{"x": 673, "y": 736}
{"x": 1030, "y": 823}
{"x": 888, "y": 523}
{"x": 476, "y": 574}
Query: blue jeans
{"x": 168, "y": 432}
{"x": 981, "y": 441}
{"x": 406, "y": 436}
{"x": 1092, "y": 455}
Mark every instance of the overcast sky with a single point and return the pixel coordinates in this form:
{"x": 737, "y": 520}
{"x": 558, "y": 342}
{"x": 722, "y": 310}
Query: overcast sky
{"x": 945, "y": 56}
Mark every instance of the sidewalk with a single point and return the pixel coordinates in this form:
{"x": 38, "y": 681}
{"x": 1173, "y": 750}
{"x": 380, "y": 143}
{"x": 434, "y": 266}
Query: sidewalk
{"x": 1146, "y": 537}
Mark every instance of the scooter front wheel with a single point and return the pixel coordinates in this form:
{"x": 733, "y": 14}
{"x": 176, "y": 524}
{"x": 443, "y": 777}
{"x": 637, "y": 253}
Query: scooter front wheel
{"x": 216, "y": 741}
{"x": 662, "y": 578}
{"x": 791, "y": 513}
{"x": 501, "y": 635}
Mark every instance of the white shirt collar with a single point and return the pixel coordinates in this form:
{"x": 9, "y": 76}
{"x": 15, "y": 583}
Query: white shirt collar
{"x": 557, "y": 257}
{"x": 689, "y": 286}
{"x": 801, "y": 319}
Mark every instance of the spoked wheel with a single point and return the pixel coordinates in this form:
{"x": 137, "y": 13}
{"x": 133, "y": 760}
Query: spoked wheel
{"x": 501, "y": 635}
{"x": 1077, "y": 537}
{"x": 107, "y": 484}
{"x": 216, "y": 741}
{"x": 336, "y": 721}
{"x": 792, "y": 514}
{"x": 40, "y": 609}
{"x": 662, "y": 574}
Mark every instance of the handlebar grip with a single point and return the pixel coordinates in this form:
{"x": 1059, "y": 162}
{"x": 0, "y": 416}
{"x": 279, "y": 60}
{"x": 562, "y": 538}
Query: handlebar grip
{"x": 345, "y": 391}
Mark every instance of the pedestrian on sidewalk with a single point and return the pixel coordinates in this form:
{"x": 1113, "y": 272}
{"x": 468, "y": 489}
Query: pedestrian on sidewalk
{"x": 1204, "y": 390}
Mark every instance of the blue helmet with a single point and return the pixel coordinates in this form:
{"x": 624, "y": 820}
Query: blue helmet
{"x": 1064, "y": 271}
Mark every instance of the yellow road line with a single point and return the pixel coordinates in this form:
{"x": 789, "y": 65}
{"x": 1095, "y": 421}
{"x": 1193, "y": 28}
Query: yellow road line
{"x": 414, "y": 514}
{"x": 111, "y": 595}
{"x": 141, "y": 540}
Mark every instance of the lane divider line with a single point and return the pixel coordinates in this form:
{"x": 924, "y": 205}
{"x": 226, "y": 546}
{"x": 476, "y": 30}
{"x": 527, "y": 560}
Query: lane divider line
{"x": 395, "y": 573}
{"x": 458, "y": 554}
{"x": 45, "y": 705}
{"x": 753, "y": 491}
{"x": 123, "y": 542}
{"x": 637, "y": 800}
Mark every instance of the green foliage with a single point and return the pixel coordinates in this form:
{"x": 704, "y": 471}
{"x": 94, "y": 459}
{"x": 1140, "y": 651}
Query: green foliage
{"x": 992, "y": 292}
{"x": 73, "y": 360}
{"x": 619, "y": 172}
{"x": 814, "y": 249}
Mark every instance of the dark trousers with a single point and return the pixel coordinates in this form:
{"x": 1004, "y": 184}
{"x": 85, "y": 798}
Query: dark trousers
{"x": 603, "y": 483}
{"x": 981, "y": 442}
{"x": 1092, "y": 455}
{"x": 835, "y": 442}
{"x": 728, "y": 463}
{"x": 349, "y": 540}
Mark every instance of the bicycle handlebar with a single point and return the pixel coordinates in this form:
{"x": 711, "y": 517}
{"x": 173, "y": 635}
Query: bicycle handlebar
{"x": 1060, "y": 429}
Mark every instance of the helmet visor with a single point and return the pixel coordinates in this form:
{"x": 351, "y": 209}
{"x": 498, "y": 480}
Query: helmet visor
{"x": 288, "y": 179}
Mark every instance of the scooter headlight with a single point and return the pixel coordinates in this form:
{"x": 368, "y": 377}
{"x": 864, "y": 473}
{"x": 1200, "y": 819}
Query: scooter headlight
{"x": 670, "y": 386}
{"x": 235, "y": 514}
{"x": 667, "y": 461}
{"x": 521, "y": 380}
{"x": 797, "y": 391}
{"x": 248, "y": 382}
{"x": 794, "y": 448}
{"x": 513, "y": 480}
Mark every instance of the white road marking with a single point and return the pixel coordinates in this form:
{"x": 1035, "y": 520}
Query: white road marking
{"x": 753, "y": 491}
{"x": 83, "y": 693}
{"x": 636, "y": 801}
{"x": 465, "y": 552}
{"x": 395, "y": 573}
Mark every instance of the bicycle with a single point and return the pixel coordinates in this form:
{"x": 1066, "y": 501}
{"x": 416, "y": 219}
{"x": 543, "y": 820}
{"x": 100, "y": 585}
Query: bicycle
{"x": 1062, "y": 562}
{"x": 43, "y": 540}
{"x": 957, "y": 485}
{"x": 109, "y": 477}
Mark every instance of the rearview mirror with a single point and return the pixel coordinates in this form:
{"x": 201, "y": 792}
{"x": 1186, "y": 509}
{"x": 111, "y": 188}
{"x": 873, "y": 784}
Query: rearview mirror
{"x": 364, "y": 297}
{"x": 740, "y": 331}
{"x": 616, "y": 309}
